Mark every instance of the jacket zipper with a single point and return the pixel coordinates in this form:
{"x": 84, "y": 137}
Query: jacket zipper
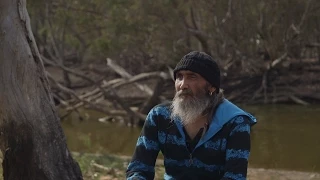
{"x": 190, "y": 160}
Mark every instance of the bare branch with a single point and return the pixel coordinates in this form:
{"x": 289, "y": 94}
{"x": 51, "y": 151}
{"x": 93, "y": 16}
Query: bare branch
{"x": 82, "y": 10}
{"x": 303, "y": 18}
{"x": 101, "y": 89}
{"x": 279, "y": 60}
{"x": 298, "y": 100}
{"x": 122, "y": 72}
{"x": 116, "y": 83}
{"x": 69, "y": 70}
{"x": 53, "y": 38}
{"x": 71, "y": 92}
{"x": 193, "y": 20}
{"x": 310, "y": 45}
{"x": 228, "y": 14}
{"x": 297, "y": 29}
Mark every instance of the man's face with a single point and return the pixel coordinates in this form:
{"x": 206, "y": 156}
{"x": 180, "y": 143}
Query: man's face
{"x": 189, "y": 84}
{"x": 192, "y": 96}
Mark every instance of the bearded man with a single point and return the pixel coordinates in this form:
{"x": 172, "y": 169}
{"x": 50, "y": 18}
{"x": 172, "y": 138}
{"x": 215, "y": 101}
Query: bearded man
{"x": 201, "y": 134}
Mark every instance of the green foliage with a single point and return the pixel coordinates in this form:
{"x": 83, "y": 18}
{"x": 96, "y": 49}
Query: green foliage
{"x": 145, "y": 35}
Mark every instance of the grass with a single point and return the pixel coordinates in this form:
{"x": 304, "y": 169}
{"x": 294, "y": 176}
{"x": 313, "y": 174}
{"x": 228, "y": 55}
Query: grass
{"x": 107, "y": 167}
{"x": 112, "y": 167}
{"x": 96, "y": 167}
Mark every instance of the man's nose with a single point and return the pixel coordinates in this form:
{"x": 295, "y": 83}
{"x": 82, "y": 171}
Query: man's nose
{"x": 184, "y": 84}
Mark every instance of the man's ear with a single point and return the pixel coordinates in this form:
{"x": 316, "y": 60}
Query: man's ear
{"x": 212, "y": 89}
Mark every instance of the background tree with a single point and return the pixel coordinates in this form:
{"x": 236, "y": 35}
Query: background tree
{"x": 32, "y": 141}
{"x": 268, "y": 50}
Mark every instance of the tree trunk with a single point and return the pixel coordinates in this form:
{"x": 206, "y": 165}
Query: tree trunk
{"x": 32, "y": 141}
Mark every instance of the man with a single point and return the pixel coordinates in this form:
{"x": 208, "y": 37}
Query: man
{"x": 201, "y": 134}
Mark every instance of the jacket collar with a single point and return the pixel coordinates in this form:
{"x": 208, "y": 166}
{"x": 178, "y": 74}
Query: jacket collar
{"x": 225, "y": 112}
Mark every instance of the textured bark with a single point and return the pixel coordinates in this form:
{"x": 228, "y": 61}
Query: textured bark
{"x": 32, "y": 141}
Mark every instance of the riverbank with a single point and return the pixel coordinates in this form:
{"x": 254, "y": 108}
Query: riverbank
{"x": 111, "y": 167}
{"x": 275, "y": 174}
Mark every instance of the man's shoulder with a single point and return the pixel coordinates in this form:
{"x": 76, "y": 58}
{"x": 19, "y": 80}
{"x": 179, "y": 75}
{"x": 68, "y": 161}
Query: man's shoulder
{"x": 159, "y": 115}
{"x": 162, "y": 109}
{"x": 240, "y": 121}
{"x": 227, "y": 111}
{"x": 165, "y": 104}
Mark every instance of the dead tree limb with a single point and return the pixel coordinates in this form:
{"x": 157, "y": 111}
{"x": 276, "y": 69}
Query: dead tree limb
{"x": 154, "y": 99}
{"x": 71, "y": 92}
{"x": 117, "y": 83}
{"x": 124, "y": 74}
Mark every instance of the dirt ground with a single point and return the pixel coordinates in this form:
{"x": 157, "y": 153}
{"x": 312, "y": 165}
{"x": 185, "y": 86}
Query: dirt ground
{"x": 253, "y": 173}
{"x": 260, "y": 174}
{"x": 271, "y": 174}
{"x": 112, "y": 167}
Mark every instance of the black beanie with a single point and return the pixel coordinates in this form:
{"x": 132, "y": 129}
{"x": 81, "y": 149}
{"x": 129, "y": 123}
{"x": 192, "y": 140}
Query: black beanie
{"x": 201, "y": 63}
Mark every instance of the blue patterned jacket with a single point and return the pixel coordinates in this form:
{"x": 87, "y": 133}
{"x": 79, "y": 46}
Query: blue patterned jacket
{"x": 222, "y": 153}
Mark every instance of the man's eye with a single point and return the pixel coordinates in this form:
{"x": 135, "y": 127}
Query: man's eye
{"x": 179, "y": 77}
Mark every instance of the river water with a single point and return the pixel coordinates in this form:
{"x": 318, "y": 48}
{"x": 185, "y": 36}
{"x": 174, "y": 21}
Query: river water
{"x": 285, "y": 137}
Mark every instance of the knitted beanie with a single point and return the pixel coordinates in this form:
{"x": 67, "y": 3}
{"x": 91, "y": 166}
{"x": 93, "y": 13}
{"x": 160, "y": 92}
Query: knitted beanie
{"x": 201, "y": 63}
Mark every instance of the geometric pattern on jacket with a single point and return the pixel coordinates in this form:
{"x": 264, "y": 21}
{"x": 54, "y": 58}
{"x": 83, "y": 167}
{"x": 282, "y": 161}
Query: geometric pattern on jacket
{"x": 223, "y": 153}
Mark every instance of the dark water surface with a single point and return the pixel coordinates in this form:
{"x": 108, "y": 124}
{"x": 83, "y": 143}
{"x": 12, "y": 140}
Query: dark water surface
{"x": 285, "y": 137}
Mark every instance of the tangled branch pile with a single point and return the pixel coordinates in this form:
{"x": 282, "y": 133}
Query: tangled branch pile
{"x": 268, "y": 50}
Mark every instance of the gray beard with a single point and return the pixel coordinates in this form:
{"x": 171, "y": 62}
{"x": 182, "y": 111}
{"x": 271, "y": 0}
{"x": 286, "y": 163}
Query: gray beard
{"x": 188, "y": 110}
